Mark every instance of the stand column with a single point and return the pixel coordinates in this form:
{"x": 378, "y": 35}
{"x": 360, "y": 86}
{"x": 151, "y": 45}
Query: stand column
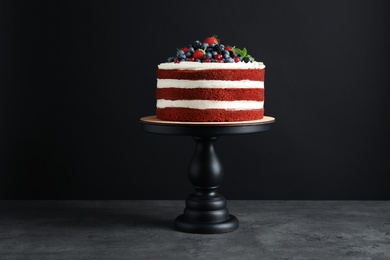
{"x": 206, "y": 210}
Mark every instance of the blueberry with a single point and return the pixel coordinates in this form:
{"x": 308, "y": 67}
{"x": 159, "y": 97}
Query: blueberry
{"x": 171, "y": 59}
{"x": 208, "y": 55}
{"x": 188, "y": 54}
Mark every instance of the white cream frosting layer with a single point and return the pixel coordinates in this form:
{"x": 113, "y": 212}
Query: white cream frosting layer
{"x": 182, "y": 83}
{"x": 190, "y": 65}
{"x": 211, "y": 104}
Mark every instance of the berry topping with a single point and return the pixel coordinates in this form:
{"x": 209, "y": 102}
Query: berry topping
{"x": 211, "y": 50}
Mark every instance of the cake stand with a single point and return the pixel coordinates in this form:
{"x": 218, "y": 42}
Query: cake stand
{"x": 206, "y": 211}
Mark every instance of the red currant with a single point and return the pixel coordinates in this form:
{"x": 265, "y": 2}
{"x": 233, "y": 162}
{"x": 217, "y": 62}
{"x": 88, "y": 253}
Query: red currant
{"x": 218, "y": 56}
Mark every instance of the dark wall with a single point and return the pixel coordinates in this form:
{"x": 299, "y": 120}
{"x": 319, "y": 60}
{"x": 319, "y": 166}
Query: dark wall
{"x": 77, "y": 76}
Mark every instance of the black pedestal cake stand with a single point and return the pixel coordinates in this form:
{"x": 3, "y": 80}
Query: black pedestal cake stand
{"x": 205, "y": 211}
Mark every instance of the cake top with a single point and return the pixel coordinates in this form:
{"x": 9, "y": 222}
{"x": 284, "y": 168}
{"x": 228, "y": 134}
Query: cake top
{"x": 211, "y": 50}
{"x": 188, "y": 65}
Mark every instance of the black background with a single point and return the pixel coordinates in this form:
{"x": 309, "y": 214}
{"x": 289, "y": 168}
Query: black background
{"x": 77, "y": 76}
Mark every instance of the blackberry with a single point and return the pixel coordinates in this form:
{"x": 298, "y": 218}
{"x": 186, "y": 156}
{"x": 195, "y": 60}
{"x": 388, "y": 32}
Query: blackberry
{"x": 219, "y": 48}
{"x": 232, "y": 54}
{"x": 197, "y": 45}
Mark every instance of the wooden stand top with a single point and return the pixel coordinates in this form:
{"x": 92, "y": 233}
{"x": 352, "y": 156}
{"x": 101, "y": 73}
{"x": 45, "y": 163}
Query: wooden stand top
{"x": 154, "y": 120}
{"x": 153, "y": 125}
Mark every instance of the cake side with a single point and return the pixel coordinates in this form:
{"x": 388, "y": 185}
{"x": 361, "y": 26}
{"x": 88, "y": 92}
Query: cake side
{"x": 211, "y": 95}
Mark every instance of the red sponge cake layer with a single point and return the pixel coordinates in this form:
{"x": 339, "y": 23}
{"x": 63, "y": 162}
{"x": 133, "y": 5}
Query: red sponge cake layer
{"x": 229, "y": 94}
{"x": 208, "y": 115}
{"x": 224, "y": 74}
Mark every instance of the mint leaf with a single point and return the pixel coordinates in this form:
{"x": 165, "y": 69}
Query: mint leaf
{"x": 244, "y": 52}
{"x": 237, "y": 51}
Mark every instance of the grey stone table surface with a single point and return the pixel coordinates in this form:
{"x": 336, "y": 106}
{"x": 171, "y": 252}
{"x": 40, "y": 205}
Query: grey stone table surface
{"x": 143, "y": 229}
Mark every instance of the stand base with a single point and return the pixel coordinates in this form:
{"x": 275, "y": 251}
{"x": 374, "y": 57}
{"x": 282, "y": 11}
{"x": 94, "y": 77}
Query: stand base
{"x": 225, "y": 226}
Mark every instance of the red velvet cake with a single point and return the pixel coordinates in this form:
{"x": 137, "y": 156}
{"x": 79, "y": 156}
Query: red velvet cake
{"x": 222, "y": 84}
